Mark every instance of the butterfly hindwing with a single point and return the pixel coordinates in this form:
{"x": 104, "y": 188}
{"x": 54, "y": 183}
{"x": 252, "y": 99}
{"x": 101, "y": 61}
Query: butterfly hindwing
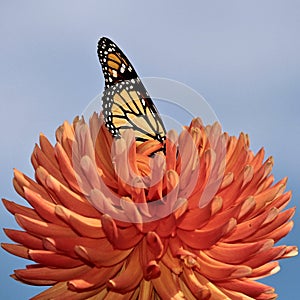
{"x": 125, "y": 107}
{"x": 126, "y": 103}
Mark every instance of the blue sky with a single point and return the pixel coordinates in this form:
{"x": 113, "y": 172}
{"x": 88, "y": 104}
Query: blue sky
{"x": 242, "y": 56}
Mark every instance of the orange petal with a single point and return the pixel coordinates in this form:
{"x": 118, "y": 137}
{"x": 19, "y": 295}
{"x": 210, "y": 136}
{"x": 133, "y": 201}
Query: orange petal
{"x": 74, "y": 201}
{"x": 94, "y": 278}
{"x": 195, "y": 218}
{"x": 44, "y": 208}
{"x": 53, "y": 259}
{"x": 15, "y": 208}
{"x": 18, "y": 250}
{"x": 102, "y": 256}
{"x": 130, "y": 277}
{"x": 238, "y": 252}
{"x": 155, "y": 244}
{"x": 204, "y": 239}
{"x": 51, "y": 166}
{"x": 119, "y": 237}
{"x": 248, "y": 287}
{"x": 54, "y": 274}
{"x": 217, "y": 270}
{"x": 265, "y": 270}
{"x": 166, "y": 286}
{"x": 248, "y": 228}
{"x": 43, "y": 229}
{"x": 24, "y": 238}
{"x": 198, "y": 290}
{"x": 24, "y": 181}
{"x": 67, "y": 168}
{"x": 89, "y": 227}
{"x": 172, "y": 263}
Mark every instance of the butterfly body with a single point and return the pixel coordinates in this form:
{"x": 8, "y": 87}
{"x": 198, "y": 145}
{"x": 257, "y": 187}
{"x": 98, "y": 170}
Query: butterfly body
{"x": 125, "y": 101}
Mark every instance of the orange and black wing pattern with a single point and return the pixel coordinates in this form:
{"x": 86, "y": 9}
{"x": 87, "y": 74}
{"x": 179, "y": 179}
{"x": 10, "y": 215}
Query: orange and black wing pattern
{"x": 125, "y": 101}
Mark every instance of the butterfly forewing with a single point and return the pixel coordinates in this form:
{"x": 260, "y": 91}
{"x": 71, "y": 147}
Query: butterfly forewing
{"x": 126, "y": 103}
{"x": 115, "y": 65}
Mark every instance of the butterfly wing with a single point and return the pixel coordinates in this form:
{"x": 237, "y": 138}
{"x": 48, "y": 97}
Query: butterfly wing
{"x": 126, "y": 103}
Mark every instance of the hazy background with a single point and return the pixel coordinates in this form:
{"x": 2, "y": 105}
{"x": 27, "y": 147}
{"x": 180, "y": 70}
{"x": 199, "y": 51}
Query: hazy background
{"x": 242, "y": 56}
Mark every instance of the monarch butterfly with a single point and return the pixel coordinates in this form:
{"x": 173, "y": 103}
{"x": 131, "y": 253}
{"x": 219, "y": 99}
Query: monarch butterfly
{"x": 125, "y": 101}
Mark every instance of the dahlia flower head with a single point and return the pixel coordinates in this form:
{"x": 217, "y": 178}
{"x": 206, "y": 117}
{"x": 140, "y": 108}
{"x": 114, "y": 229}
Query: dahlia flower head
{"x": 116, "y": 219}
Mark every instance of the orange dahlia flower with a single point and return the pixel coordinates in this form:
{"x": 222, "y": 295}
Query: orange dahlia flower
{"x": 111, "y": 220}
